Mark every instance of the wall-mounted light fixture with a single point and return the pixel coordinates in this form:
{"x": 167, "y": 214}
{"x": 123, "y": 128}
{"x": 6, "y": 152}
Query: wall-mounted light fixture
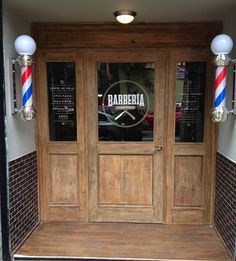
{"x": 26, "y": 47}
{"x": 221, "y": 46}
{"x": 125, "y": 16}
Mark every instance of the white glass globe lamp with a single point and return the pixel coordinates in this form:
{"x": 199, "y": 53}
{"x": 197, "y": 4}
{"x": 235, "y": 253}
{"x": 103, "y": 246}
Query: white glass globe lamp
{"x": 222, "y": 44}
{"x": 25, "y": 45}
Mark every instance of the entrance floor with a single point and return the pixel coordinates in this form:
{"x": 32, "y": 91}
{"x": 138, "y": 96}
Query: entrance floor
{"x": 122, "y": 241}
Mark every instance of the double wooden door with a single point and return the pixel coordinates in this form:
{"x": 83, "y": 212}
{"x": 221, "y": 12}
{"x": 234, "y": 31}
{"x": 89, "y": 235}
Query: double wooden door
{"x": 101, "y": 135}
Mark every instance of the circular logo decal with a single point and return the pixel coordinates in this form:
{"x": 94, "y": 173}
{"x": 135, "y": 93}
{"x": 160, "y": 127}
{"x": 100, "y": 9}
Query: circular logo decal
{"x": 125, "y": 103}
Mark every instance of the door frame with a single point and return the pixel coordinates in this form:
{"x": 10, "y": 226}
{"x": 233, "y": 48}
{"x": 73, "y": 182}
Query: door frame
{"x": 171, "y": 37}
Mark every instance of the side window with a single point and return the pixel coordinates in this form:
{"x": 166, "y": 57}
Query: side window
{"x": 62, "y": 101}
{"x": 189, "y": 101}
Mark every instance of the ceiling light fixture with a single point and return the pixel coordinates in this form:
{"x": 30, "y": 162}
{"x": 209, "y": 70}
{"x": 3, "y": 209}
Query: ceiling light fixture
{"x": 125, "y": 17}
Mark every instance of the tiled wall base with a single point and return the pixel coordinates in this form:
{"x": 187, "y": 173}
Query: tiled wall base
{"x": 225, "y": 205}
{"x": 23, "y": 197}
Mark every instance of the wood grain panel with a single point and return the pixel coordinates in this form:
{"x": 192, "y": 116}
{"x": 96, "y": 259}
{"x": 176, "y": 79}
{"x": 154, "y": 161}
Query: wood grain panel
{"x": 127, "y": 213}
{"x": 64, "y": 213}
{"x": 122, "y": 148}
{"x": 125, "y": 179}
{"x": 64, "y": 181}
{"x": 188, "y": 182}
{"x": 187, "y": 216}
{"x": 62, "y": 148}
{"x": 113, "y": 35}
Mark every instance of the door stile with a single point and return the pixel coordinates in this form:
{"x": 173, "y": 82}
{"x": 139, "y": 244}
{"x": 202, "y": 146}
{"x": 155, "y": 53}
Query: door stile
{"x": 81, "y": 131}
{"x": 40, "y": 138}
{"x": 91, "y": 102}
{"x": 160, "y": 123}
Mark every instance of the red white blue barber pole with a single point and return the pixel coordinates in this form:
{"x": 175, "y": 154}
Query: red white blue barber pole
{"x": 221, "y": 46}
{"x": 27, "y": 89}
{"x": 25, "y": 46}
{"x": 220, "y": 92}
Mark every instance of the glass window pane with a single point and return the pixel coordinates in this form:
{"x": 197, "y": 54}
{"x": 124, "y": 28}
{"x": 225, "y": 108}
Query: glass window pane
{"x": 189, "y": 113}
{"x": 61, "y": 101}
{"x": 125, "y": 101}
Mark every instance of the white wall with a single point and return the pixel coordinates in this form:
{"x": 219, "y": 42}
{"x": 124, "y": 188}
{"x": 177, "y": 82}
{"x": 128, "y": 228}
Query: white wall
{"x": 227, "y": 130}
{"x": 20, "y": 134}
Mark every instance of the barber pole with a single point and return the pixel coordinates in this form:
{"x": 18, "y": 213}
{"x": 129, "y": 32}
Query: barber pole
{"x": 25, "y": 47}
{"x": 27, "y": 111}
{"x": 27, "y": 90}
{"x": 221, "y": 46}
{"x": 219, "y": 112}
{"x": 220, "y": 86}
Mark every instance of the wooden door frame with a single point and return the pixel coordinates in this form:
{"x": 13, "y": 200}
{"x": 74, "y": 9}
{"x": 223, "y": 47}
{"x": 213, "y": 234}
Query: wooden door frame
{"x": 74, "y": 37}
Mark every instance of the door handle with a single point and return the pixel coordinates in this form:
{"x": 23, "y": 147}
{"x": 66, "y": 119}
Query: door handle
{"x": 158, "y": 147}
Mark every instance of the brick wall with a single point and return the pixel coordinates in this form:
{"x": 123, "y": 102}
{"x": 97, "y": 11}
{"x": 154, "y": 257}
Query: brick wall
{"x": 23, "y": 197}
{"x": 225, "y": 205}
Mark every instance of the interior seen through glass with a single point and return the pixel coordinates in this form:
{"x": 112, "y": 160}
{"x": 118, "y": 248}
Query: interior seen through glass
{"x": 126, "y": 101}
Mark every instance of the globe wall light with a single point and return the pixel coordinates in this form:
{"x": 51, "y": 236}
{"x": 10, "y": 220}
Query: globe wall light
{"x": 221, "y": 46}
{"x": 25, "y": 47}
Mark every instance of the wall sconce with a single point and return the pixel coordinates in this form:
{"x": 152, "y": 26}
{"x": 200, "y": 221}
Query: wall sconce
{"x": 26, "y": 47}
{"x": 221, "y": 46}
{"x": 125, "y": 17}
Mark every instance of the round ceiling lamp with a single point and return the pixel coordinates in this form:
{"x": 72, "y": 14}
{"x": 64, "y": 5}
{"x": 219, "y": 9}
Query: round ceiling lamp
{"x": 125, "y": 17}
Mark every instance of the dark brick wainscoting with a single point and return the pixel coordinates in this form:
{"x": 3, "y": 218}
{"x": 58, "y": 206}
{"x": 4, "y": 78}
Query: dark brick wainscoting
{"x": 225, "y": 208}
{"x": 23, "y": 197}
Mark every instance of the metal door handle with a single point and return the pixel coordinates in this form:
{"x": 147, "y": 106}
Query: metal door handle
{"x": 159, "y": 147}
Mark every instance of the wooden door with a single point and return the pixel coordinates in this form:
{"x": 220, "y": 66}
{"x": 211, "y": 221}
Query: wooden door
{"x": 191, "y": 138}
{"x": 60, "y": 133}
{"x": 125, "y": 124}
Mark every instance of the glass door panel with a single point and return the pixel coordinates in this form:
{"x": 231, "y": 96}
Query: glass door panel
{"x": 125, "y": 101}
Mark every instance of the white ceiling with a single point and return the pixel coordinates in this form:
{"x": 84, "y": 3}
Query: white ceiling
{"x": 102, "y": 10}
